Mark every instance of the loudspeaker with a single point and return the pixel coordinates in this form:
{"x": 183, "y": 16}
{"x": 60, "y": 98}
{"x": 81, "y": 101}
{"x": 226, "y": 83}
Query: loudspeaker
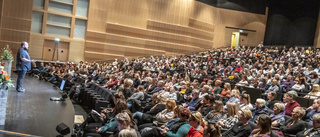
{"x": 63, "y": 129}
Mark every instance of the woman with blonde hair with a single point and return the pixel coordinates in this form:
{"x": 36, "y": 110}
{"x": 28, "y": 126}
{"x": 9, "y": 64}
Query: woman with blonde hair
{"x": 315, "y": 92}
{"x": 226, "y": 91}
{"x": 214, "y": 115}
{"x": 245, "y": 102}
{"x": 197, "y": 125}
{"x": 231, "y": 118}
{"x": 234, "y": 97}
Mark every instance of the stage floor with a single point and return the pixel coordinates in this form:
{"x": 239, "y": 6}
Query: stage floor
{"x": 33, "y": 113}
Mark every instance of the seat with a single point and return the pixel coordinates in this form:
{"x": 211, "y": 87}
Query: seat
{"x": 302, "y": 101}
{"x": 254, "y": 93}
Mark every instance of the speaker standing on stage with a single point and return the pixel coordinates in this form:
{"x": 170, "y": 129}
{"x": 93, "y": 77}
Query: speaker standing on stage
{"x": 23, "y": 64}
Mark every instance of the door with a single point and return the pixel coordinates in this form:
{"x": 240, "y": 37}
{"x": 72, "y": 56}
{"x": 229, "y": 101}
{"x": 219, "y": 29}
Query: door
{"x": 59, "y": 49}
{"x": 233, "y": 40}
{"x": 243, "y": 39}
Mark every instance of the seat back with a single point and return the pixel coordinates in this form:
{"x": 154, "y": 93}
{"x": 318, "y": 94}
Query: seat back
{"x": 302, "y": 101}
{"x": 254, "y": 93}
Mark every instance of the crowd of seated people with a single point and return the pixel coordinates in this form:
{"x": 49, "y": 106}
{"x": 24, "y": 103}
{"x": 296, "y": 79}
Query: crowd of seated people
{"x": 202, "y": 94}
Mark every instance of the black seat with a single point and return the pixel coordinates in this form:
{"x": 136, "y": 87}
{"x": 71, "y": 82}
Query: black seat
{"x": 302, "y": 101}
{"x": 254, "y": 93}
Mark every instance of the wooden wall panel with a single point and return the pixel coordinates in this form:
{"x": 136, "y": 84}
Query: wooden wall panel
{"x": 128, "y": 12}
{"x": 16, "y": 23}
{"x": 76, "y": 53}
{"x": 157, "y": 35}
{"x": 36, "y": 46}
{"x": 178, "y": 29}
{"x": 18, "y": 8}
{"x": 97, "y": 15}
{"x": 14, "y": 35}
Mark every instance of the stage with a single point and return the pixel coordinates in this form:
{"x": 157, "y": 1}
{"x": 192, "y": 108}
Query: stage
{"x": 33, "y": 113}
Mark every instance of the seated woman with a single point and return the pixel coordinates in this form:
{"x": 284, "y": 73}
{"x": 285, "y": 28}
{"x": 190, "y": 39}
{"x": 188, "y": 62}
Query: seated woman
{"x": 264, "y": 86}
{"x": 171, "y": 94}
{"x": 229, "y": 119}
{"x": 211, "y": 130}
{"x": 277, "y": 117}
{"x": 243, "y": 128}
{"x": 314, "y": 109}
{"x": 136, "y": 98}
{"x": 245, "y": 102}
{"x": 294, "y": 125}
{"x": 244, "y": 81}
{"x": 206, "y": 106}
{"x": 162, "y": 117}
{"x": 226, "y": 91}
{"x": 180, "y": 128}
{"x": 120, "y": 106}
{"x": 234, "y": 97}
{"x": 155, "y": 131}
{"x": 315, "y": 92}
{"x": 217, "y": 113}
{"x": 197, "y": 125}
{"x": 217, "y": 88}
{"x": 159, "y": 105}
{"x": 274, "y": 87}
{"x": 299, "y": 86}
{"x": 125, "y": 121}
{"x": 264, "y": 127}
{"x": 313, "y": 78}
{"x": 272, "y": 99}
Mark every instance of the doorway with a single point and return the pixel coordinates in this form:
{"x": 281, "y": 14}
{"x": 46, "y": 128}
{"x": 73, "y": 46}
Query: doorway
{"x": 61, "y": 53}
{"x": 235, "y": 40}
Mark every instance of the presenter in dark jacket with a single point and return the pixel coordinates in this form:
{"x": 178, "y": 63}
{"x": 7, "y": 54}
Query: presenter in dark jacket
{"x": 23, "y": 64}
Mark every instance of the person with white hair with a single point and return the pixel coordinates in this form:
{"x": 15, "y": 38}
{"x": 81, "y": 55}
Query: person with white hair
{"x": 260, "y": 109}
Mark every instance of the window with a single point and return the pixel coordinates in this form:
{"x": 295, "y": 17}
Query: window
{"x": 58, "y": 30}
{"x": 80, "y": 28}
{"x": 60, "y": 7}
{"x": 36, "y": 24}
{"x": 38, "y": 4}
{"x": 59, "y": 20}
{"x": 82, "y": 8}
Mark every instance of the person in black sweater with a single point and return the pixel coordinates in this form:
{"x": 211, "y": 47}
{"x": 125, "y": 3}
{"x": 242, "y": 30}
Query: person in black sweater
{"x": 147, "y": 117}
{"x": 243, "y": 128}
{"x": 206, "y": 106}
{"x": 294, "y": 125}
{"x": 314, "y": 131}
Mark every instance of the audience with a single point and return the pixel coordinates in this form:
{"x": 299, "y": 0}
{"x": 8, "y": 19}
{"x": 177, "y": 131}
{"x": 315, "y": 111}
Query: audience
{"x": 200, "y": 82}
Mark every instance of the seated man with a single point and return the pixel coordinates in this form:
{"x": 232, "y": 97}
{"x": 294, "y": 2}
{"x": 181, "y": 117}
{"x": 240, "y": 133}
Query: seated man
{"x": 194, "y": 104}
{"x": 314, "y": 131}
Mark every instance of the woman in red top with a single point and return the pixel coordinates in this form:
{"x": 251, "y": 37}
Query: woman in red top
{"x": 226, "y": 90}
{"x": 197, "y": 125}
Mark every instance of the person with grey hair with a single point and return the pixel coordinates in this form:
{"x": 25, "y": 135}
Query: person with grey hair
{"x": 128, "y": 133}
{"x": 291, "y": 102}
{"x": 314, "y": 131}
{"x": 260, "y": 108}
{"x": 194, "y": 104}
